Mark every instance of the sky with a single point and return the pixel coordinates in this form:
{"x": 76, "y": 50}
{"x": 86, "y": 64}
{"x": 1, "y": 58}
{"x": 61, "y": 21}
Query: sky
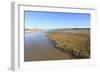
{"x": 52, "y": 20}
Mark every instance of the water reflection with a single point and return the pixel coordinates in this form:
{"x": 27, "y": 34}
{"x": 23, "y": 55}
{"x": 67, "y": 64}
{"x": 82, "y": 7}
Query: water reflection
{"x": 38, "y": 47}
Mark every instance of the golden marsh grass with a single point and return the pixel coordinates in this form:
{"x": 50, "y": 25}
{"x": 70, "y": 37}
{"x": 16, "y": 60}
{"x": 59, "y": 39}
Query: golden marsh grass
{"x": 74, "y": 41}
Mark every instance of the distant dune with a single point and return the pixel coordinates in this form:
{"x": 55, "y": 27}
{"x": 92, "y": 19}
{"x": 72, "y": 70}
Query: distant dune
{"x": 32, "y": 30}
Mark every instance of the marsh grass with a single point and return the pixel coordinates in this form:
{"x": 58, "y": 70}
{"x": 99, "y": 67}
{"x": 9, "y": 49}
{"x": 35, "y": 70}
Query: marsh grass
{"x": 75, "y": 42}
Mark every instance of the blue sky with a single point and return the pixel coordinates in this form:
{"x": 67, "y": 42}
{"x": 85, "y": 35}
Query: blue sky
{"x": 52, "y": 20}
